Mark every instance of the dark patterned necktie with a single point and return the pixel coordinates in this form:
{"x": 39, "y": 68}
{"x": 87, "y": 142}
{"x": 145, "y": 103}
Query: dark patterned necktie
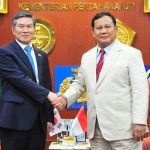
{"x": 100, "y": 64}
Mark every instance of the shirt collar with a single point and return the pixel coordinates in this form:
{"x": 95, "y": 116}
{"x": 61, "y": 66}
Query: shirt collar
{"x": 107, "y": 49}
{"x": 23, "y": 45}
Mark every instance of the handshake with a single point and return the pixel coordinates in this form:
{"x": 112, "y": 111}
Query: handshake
{"x": 59, "y": 101}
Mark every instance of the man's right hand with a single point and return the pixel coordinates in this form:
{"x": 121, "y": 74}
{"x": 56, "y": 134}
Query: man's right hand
{"x": 52, "y": 96}
{"x": 57, "y": 100}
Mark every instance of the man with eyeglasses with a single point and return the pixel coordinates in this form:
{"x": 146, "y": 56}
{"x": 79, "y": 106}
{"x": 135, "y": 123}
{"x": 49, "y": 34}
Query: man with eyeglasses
{"x": 114, "y": 77}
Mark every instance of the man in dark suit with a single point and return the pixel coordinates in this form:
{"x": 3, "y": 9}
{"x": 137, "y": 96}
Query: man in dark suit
{"x": 25, "y": 111}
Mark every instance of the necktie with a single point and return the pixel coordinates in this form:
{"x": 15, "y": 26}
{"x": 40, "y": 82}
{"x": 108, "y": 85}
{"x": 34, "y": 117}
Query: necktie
{"x": 28, "y": 50}
{"x": 100, "y": 63}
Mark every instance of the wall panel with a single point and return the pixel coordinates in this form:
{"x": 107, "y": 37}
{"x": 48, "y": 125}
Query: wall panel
{"x": 73, "y": 30}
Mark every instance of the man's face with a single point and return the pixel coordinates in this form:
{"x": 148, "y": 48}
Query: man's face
{"x": 24, "y": 30}
{"x": 104, "y": 31}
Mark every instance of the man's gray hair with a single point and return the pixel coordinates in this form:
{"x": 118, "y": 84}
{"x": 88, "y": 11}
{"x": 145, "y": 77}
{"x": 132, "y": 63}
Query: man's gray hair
{"x": 22, "y": 14}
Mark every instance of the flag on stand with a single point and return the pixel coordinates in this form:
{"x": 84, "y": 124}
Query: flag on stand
{"x": 59, "y": 125}
{"x": 79, "y": 125}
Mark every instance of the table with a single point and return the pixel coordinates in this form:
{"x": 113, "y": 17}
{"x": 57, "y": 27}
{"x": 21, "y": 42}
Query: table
{"x": 77, "y": 146}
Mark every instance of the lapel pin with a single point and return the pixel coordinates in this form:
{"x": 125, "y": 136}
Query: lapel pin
{"x": 39, "y": 54}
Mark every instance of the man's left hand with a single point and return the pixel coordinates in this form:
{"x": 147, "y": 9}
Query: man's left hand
{"x": 49, "y": 126}
{"x": 139, "y": 132}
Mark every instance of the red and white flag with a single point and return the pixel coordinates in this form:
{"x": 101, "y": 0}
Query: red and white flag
{"x": 79, "y": 125}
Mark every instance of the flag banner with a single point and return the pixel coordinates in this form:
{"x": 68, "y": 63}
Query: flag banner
{"x": 64, "y": 77}
{"x": 147, "y": 68}
{"x": 59, "y": 125}
{"x": 148, "y": 74}
{"x": 79, "y": 125}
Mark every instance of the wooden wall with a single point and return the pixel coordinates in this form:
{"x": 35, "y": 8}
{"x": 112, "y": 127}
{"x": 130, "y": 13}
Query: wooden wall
{"x": 73, "y": 31}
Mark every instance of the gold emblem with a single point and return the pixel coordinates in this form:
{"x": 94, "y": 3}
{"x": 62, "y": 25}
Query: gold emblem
{"x": 148, "y": 76}
{"x": 146, "y": 6}
{"x": 148, "y": 73}
{"x": 44, "y": 37}
{"x": 125, "y": 34}
{"x": 4, "y": 6}
{"x": 66, "y": 83}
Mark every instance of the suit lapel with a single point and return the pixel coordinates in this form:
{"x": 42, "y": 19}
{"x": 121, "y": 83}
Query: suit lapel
{"x": 23, "y": 57}
{"x": 110, "y": 60}
{"x": 39, "y": 64}
{"x": 92, "y": 65}
{"x": 21, "y": 54}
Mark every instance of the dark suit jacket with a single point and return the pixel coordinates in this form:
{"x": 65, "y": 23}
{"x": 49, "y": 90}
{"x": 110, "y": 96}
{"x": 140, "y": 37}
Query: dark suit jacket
{"x": 22, "y": 99}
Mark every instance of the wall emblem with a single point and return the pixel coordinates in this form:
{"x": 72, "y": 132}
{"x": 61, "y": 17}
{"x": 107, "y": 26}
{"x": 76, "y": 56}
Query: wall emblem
{"x": 44, "y": 37}
{"x": 146, "y": 6}
{"x": 125, "y": 34}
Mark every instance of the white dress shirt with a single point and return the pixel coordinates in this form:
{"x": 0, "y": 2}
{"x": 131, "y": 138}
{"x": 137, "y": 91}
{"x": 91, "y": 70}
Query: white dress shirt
{"x": 33, "y": 56}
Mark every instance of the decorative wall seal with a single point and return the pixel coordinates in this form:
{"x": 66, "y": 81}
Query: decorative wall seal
{"x": 125, "y": 34}
{"x": 44, "y": 37}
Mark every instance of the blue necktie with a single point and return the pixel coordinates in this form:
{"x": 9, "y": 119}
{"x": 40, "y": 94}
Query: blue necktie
{"x": 28, "y": 50}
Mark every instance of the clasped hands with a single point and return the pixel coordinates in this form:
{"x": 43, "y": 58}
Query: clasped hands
{"x": 57, "y": 100}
